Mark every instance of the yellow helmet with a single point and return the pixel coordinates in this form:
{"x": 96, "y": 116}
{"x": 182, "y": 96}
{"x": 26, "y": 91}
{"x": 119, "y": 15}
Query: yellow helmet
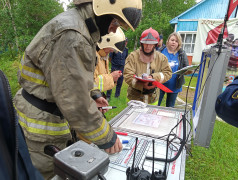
{"x": 127, "y": 12}
{"x": 113, "y": 40}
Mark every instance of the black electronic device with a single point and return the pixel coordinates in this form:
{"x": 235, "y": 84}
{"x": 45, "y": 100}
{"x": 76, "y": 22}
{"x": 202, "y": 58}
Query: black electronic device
{"x": 134, "y": 173}
{"x": 159, "y": 175}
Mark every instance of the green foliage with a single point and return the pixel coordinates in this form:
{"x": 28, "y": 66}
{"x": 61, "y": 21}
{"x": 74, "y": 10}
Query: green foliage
{"x": 10, "y": 67}
{"x": 70, "y": 5}
{"x": 157, "y": 14}
{"x": 22, "y": 19}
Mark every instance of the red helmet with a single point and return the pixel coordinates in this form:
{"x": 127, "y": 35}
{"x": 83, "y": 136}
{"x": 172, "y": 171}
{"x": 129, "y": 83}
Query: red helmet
{"x": 149, "y": 36}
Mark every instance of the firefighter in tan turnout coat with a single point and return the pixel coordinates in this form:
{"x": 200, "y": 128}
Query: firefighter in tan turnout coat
{"x": 109, "y": 43}
{"x": 146, "y": 60}
{"x": 56, "y": 76}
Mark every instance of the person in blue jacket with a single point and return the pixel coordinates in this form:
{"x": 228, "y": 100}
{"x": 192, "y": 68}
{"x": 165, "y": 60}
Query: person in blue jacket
{"x": 177, "y": 59}
{"x": 118, "y": 62}
{"x": 227, "y": 104}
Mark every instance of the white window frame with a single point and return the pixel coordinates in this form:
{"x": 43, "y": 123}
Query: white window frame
{"x": 191, "y": 43}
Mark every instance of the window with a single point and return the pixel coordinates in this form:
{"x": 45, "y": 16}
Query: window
{"x": 188, "y": 41}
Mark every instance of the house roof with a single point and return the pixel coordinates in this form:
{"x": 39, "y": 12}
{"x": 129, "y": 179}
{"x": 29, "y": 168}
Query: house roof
{"x": 205, "y": 9}
{"x": 175, "y": 20}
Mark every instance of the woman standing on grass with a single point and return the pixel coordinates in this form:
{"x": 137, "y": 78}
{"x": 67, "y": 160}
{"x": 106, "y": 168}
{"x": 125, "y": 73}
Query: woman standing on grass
{"x": 177, "y": 59}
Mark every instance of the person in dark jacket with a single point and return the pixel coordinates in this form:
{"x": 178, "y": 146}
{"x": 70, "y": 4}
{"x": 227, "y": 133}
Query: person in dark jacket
{"x": 177, "y": 59}
{"x": 118, "y": 62}
{"x": 227, "y": 104}
{"x": 161, "y": 45}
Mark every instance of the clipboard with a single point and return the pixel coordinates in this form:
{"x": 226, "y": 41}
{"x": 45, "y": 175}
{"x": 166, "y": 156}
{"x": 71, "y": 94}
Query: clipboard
{"x": 156, "y": 83}
{"x": 143, "y": 80}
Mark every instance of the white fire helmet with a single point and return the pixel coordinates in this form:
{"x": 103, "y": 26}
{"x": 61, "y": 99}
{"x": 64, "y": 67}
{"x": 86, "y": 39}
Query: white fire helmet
{"x": 113, "y": 40}
{"x": 127, "y": 12}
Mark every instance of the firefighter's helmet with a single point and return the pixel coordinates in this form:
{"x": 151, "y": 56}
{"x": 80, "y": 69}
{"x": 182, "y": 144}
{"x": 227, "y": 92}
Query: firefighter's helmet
{"x": 127, "y": 12}
{"x": 150, "y": 36}
{"x": 113, "y": 40}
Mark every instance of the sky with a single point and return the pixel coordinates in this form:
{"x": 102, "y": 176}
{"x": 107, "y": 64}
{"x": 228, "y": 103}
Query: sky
{"x": 66, "y": 2}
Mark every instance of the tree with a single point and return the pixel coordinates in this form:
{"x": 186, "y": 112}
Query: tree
{"x": 9, "y": 12}
{"x": 22, "y": 19}
{"x": 157, "y": 14}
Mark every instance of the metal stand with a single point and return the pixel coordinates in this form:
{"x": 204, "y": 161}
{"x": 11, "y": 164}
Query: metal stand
{"x": 209, "y": 86}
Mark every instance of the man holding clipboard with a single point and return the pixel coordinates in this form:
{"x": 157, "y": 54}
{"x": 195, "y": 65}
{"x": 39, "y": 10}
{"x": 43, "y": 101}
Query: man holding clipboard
{"x": 151, "y": 64}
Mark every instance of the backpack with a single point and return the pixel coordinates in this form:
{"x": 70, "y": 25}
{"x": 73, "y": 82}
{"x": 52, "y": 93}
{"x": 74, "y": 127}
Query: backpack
{"x": 15, "y": 161}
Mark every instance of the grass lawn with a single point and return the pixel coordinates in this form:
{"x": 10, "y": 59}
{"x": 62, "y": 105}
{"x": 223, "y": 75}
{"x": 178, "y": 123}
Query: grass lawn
{"x": 218, "y": 162}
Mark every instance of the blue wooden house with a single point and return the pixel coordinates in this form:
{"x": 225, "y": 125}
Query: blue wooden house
{"x": 187, "y": 22}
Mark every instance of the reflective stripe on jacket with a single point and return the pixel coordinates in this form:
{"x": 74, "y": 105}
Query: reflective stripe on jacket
{"x": 58, "y": 66}
{"x": 32, "y": 74}
{"x": 102, "y": 76}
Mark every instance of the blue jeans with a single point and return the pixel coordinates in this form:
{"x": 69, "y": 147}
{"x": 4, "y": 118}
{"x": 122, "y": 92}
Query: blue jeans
{"x": 171, "y": 98}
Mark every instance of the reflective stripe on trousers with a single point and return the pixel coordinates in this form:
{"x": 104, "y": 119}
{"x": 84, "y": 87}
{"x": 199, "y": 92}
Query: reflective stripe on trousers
{"x": 49, "y": 128}
{"x": 42, "y": 127}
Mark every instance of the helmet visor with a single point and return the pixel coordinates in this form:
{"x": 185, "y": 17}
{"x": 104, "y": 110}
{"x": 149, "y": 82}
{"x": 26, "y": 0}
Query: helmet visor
{"x": 120, "y": 45}
{"x": 119, "y": 22}
{"x": 133, "y": 16}
{"x": 149, "y": 39}
{"x": 148, "y": 42}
